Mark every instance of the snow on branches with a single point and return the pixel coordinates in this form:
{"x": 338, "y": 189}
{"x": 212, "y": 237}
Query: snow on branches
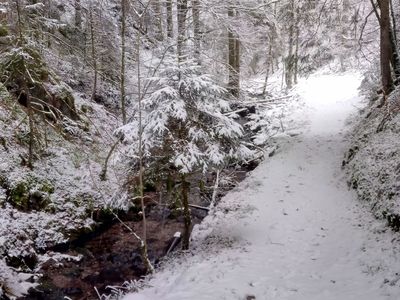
{"x": 184, "y": 120}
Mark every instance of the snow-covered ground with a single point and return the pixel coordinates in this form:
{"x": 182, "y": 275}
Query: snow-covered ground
{"x": 373, "y": 159}
{"x": 292, "y": 229}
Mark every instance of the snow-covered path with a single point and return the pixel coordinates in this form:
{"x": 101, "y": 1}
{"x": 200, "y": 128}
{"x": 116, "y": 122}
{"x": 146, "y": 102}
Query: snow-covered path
{"x": 292, "y": 229}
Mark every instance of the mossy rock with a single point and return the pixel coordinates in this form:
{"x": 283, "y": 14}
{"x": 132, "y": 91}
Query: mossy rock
{"x": 30, "y": 194}
{"x": 3, "y": 31}
{"x": 64, "y": 102}
{"x": 87, "y": 108}
{"x": 3, "y": 181}
{"x": 83, "y": 200}
{"x": 28, "y": 77}
{"x": 74, "y": 234}
{"x": 67, "y": 31}
{"x": 85, "y": 126}
{"x": 24, "y": 64}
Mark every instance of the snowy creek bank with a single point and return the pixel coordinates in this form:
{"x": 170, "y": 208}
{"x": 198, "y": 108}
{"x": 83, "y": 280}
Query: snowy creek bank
{"x": 292, "y": 230}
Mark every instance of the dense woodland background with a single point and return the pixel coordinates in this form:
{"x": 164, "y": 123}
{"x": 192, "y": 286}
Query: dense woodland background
{"x": 114, "y": 106}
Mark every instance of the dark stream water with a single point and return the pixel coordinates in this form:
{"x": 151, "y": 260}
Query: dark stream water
{"x": 109, "y": 258}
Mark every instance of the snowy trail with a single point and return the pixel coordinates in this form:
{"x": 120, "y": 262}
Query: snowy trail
{"x": 305, "y": 237}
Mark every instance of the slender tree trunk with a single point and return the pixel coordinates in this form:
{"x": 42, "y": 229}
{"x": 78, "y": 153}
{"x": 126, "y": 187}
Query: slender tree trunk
{"x": 157, "y": 14}
{"x": 233, "y": 58}
{"x": 145, "y": 256}
{"x": 237, "y": 63}
{"x": 170, "y": 23}
{"x": 296, "y": 51}
{"x": 26, "y": 90}
{"x": 356, "y": 20}
{"x": 103, "y": 174}
{"x": 182, "y": 12}
{"x": 123, "y": 50}
{"x": 93, "y": 50}
{"x": 186, "y": 213}
{"x": 342, "y": 33}
{"x": 48, "y": 15}
{"x": 386, "y": 47}
{"x": 19, "y": 22}
{"x": 196, "y": 29}
{"x": 31, "y": 130}
{"x": 78, "y": 14}
{"x": 289, "y": 58}
{"x": 394, "y": 22}
{"x": 395, "y": 58}
{"x": 268, "y": 67}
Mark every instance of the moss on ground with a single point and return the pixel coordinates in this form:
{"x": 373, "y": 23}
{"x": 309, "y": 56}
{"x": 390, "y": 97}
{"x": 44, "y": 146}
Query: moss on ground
{"x": 30, "y": 193}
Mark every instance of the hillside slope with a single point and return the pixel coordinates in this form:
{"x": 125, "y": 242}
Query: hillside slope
{"x": 373, "y": 161}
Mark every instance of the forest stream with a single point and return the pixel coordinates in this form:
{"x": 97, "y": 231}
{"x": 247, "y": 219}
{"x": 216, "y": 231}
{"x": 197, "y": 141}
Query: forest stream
{"x": 110, "y": 255}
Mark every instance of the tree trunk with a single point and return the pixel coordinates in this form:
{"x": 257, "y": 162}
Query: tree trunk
{"x": 78, "y": 14}
{"x": 342, "y": 32}
{"x": 123, "y": 50}
{"x": 145, "y": 256}
{"x": 19, "y": 22}
{"x": 93, "y": 50}
{"x": 394, "y": 59}
{"x": 196, "y": 29}
{"x": 289, "y": 59}
{"x": 237, "y": 63}
{"x": 170, "y": 24}
{"x": 386, "y": 47}
{"x": 182, "y": 12}
{"x": 233, "y": 58}
{"x": 157, "y": 14}
{"x": 31, "y": 130}
{"x": 296, "y": 51}
{"x": 186, "y": 213}
{"x": 394, "y": 22}
{"x": 268, "y": 67}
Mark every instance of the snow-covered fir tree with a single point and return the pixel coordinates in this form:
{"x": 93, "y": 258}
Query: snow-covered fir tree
{"x": 187, "y": 126}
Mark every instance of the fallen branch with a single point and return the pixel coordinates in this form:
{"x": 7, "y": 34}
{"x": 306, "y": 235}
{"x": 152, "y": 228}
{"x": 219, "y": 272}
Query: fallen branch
{"x": 235, "y": 111}
{"x": 140, "y": 240}
{"x": 268, "y": 100}
{"x": 199, "y": 207}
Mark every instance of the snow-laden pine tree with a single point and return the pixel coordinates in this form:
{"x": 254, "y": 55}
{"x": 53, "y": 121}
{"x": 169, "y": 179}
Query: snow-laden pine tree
{"x": 185, "y": 127}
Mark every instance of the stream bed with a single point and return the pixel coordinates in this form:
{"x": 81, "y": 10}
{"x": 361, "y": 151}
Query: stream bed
{"x": 107, "y": 258}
